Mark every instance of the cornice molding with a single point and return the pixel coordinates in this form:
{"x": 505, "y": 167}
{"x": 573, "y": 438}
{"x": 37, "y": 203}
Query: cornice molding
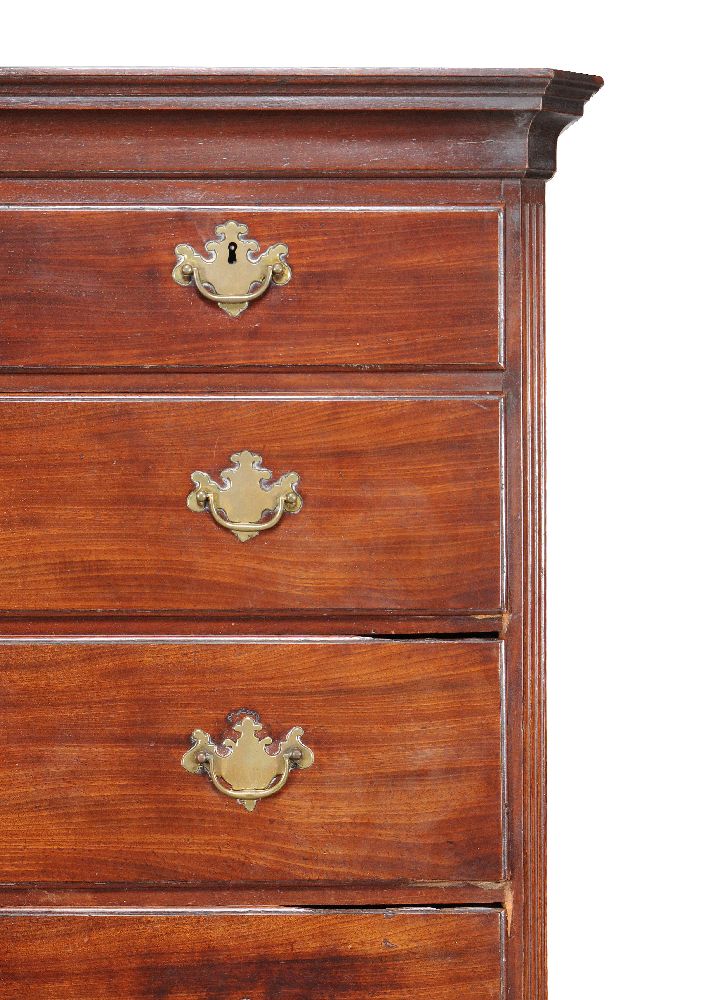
{"x": 293, "y": 89}
{"x": 364, "y": 123}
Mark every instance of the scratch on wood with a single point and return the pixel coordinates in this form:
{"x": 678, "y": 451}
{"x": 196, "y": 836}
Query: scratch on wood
{"x": 509, "y": 906}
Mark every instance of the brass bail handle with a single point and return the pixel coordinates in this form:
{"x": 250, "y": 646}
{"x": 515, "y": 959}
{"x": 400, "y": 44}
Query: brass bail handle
{"x": 245, "y": 495}
{"x": 233, "y": 275}
{"x": 245, "y": 769}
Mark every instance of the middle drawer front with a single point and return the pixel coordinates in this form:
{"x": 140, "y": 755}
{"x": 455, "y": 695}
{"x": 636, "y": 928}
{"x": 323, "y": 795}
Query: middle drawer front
{"x": 402, "y": 504}
{"x": 406, "y": 785}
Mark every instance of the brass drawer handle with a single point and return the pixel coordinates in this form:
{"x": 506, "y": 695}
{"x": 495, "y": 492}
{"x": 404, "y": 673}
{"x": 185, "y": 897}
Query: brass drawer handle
{"x": 227, "y": 276}
{"x": 246, "y": 497}
{"x": 243, "y": 768}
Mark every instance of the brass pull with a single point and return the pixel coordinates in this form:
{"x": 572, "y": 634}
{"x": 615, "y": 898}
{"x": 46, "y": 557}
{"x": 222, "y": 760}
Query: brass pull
{"x": 227, "y": 276}
{"x": 243, "y": 768}
{"x": 245, "y": 496}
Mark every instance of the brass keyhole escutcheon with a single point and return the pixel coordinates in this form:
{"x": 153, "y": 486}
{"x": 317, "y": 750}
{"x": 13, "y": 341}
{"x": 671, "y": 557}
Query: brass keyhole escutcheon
{"x": 235, "y": 273}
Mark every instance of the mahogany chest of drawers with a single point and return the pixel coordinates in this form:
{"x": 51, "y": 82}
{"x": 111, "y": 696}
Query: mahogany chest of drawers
{"x": 273, "y": 734}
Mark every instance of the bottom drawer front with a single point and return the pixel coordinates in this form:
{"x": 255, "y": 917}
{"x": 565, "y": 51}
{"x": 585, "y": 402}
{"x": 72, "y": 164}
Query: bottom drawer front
{"x": 297, "y": 955}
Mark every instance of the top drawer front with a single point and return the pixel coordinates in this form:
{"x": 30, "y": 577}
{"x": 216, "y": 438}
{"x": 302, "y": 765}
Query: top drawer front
{"x": 391, "y": 287}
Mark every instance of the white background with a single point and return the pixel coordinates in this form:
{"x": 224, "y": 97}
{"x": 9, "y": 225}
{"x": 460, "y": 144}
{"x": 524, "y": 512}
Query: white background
{"x": 625, "y": 363}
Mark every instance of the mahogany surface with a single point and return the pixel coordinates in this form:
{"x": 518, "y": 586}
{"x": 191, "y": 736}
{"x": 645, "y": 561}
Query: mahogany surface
{"x": 402, "y": 506}
{"x": 94, "y": 790}
{"x": 401, "y": 374}
{"x": 370, "y": 287}
{"x": 297, "y": 955}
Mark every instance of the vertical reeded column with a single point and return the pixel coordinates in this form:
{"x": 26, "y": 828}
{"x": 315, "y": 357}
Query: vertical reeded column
{"x": 533, "y": 363}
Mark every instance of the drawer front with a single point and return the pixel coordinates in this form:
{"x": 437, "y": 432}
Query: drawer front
{"x": 370, "y": 287}
{"x": 402, "y": 505}
{"x": 304, "y": 955}
{"x": 406, "y": 783}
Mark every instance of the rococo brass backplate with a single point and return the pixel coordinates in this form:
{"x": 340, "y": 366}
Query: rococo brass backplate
{"x": 245, "y": 769}
{"x": 245, "y": 496}
{"x": 229, "y": 274}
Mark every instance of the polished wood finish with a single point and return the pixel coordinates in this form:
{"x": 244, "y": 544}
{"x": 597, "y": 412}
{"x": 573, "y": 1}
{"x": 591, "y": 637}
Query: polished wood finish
{"x": 371, "y": 287}
{"x": 276, "y": 124}
{"x": 534, "y": 624}
{"x": 421, "y": 403}
{"x": 95, "y": 896}
{"x": 395, "y": 729}
{"x": 300, "y": 955}
{"x": 402, "y": 505}
{"x": 257, "y": 192}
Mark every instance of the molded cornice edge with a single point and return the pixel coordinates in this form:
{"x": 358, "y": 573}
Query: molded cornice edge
{"x": 516, "y": 114}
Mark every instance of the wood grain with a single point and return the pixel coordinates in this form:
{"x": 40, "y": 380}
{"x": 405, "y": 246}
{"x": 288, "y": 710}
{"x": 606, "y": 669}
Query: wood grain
{"x": 402, "y": 505}
{"x": 217, "y": 144}
{"x": 533, "y": 637}
{"x": 33, "y": 88}
{"x": 452, "y": 123}
{"x": 407, "y": 485}
{"x": 93, "y": 289}
{"x": 70, "y": 896}
{"x": 282, "y": 955}
{"x": 406, "y": 786}
{"x": 189, "y": 192}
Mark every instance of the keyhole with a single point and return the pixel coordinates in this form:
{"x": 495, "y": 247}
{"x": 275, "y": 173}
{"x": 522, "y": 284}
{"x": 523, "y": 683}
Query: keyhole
{"x": 232, "y": 251}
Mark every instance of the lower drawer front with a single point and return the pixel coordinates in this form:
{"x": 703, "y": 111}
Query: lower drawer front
{"x": 450, "y": 955}
{"x": 406, "y": 785}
